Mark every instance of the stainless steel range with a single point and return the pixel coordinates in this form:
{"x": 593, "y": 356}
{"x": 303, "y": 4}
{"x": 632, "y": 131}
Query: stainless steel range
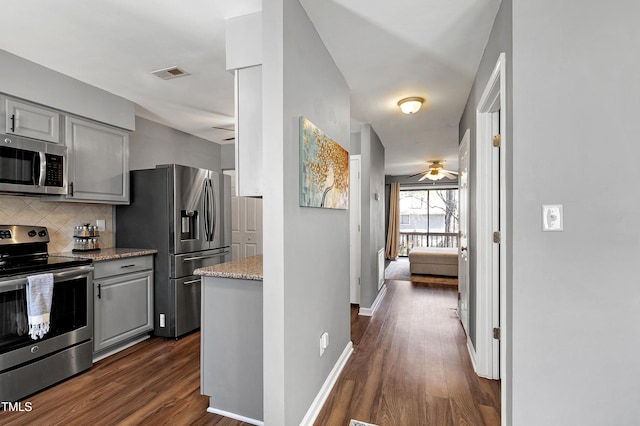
{"x": 27, "y": 365}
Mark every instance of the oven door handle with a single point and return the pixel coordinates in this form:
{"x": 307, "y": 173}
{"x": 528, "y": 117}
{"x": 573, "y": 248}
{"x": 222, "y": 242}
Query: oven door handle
{"x": 18, "y": 283}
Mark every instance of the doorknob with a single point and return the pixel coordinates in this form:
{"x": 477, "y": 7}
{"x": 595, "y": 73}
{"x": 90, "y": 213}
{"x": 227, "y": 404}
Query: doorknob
{"x": 463, "y": 248}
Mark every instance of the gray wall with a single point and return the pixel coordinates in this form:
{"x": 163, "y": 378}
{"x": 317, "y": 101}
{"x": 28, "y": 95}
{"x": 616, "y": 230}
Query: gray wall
{"x": 371, "y": 212}
{"x": 572, "y": 95}
{"x": 499, "y": 41}
{"x": 576, "y": 298}
{"x": 228, "y": 156}
{"x": 306, "y": 250}
{"x": 153, "y": 143}
{"x": 28, "y": 80}
{"x": 355, "y": 142}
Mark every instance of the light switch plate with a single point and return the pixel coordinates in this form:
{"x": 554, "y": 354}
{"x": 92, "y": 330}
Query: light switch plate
{"x": 101, "y": 224}
{"x": 552, "y": 218}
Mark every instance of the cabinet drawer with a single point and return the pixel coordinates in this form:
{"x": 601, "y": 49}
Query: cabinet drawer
{"x": 127, "y": 265}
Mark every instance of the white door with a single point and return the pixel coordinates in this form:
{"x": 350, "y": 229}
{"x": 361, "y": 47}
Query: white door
{"x": 246, "y": 227}
{"x": 463, "y": 245}
{"x": 354, "y": 225}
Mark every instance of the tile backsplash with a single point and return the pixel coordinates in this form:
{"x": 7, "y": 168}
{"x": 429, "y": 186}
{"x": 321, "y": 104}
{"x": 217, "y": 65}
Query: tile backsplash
{"x": 59, "y": 218}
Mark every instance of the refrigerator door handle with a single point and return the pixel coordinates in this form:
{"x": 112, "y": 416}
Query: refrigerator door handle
{"x": 191, "y": 259}
{"x": 205, "y": 203}
{"x": 212, "y": 200}
{"x": 207, "y": 208}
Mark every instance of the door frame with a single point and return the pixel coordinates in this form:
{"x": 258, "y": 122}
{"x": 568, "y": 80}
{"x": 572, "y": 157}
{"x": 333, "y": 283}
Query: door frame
{"x": 355, "y": 245}
{"x": 491, "y": 261}
{"x": 463, "y": 245}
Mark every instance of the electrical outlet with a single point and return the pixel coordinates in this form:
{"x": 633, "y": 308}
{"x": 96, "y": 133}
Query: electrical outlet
{"x": 101, "y": 224}
{"x": 324, "y": 342}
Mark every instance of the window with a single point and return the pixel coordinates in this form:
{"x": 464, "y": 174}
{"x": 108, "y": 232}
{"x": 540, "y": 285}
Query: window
{"x": 428, "y": 218}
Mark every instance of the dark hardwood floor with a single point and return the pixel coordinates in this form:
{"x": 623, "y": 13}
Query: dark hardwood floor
{"x": 409, "y": 367}
{"x": 156, "y": 382}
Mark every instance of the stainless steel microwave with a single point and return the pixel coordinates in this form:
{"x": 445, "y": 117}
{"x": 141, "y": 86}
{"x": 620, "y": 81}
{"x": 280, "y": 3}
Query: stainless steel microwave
{"x": 32, "y": 167}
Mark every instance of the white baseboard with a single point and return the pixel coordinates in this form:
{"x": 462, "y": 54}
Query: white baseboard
{"x": 235, "y": 416}
{"x": 367, "y": 312}
{"x": 472, "y": 354}
{"x": 326, "y": 388}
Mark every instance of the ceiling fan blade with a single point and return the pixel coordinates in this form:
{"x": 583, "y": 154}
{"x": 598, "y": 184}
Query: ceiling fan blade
{"x": 423, "y": 177}
{"x": 415, "y": 175}
{"x": 453, "y": 172}
{"x": 448, "y": 174}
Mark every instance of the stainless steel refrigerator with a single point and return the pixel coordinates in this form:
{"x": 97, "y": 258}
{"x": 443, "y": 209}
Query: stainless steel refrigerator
{"x": 185, "y": 214}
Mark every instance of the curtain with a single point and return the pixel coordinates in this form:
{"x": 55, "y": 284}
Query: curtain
{"x": 391, "y": 250}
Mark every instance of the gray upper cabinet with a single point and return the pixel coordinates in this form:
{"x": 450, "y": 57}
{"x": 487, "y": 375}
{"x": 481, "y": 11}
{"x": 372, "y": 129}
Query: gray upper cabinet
{"x": 30, "y": 120}
{"x": 98, "y": 162}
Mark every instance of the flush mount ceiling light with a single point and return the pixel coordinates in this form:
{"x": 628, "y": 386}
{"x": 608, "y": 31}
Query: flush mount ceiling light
{"x": 169, "y": 73}
{"x": 410, "y": 105}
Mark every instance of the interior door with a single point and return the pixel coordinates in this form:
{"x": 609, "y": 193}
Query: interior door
{"x": 463, "y": 244}
{"x": 246, "y": 227}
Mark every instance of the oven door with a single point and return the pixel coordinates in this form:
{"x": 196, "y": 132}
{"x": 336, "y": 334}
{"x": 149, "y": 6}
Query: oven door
{"x": 71, "y": 320}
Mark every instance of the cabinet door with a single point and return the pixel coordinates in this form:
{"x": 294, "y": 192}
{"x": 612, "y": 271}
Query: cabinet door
{"x": 248, "y": 87}
{"x": 98, "y": 162}
{"x": 32, "y": 121}
{"x": 123, "y": 308}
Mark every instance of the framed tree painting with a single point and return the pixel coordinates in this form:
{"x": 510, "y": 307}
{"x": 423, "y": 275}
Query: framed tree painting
{"x": 324, "y": 169}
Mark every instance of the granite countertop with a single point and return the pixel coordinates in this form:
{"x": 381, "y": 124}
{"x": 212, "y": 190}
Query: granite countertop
{"x": 243, "y": 269}
{"x": 108, "y": 254}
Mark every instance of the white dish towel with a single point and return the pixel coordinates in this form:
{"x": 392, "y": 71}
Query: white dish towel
{"x": 39, "y": 295}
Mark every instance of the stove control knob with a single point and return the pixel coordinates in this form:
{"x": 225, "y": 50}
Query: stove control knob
{"x": 32, "y": 233}
{"x": 42, "y": 233}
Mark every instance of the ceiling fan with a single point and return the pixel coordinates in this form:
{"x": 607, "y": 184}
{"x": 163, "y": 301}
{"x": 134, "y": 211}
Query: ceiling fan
{"x": 436, "y": 171}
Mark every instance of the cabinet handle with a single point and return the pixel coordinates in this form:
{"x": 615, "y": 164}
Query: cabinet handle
{"x": 192, "y": 282}
{"x": 71, "y": 189}
{"x": 13, "y": 123}
{"x": 99, "y": 291}
{"x": 128, "y": 266}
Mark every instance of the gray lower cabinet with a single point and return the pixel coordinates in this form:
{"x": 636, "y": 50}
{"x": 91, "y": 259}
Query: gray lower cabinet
{"x": 123, "y": 301}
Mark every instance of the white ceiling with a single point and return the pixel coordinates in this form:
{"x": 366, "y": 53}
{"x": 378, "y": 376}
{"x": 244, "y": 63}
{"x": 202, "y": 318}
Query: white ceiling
{"x": 386, "y": 50}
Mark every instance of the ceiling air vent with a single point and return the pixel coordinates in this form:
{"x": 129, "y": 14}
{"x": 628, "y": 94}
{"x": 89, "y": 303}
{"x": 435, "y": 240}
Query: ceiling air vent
{"x": 169, "y": 73}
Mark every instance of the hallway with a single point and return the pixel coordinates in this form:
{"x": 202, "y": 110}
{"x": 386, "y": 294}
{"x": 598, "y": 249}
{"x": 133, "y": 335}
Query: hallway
{"x": 410, "y": 366}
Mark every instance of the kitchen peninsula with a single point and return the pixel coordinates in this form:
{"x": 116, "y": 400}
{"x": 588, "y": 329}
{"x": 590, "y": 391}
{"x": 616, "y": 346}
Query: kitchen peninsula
{"x": 231, "y": 339}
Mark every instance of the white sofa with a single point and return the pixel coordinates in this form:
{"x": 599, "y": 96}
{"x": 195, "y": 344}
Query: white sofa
{"x": 434, "y": 261}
